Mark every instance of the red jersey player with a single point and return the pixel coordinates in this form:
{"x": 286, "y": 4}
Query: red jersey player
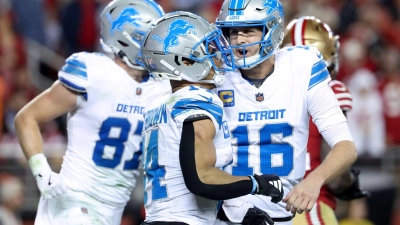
{"x": 313, "y": 32}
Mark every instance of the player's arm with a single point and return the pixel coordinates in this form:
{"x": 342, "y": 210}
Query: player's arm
{"x": 52, "y": 103}
{"x": 326, "y": 114}
{"x": 197, "y": 155}
{"x": 341, "y": 182}
{"x": 346, "y": 186}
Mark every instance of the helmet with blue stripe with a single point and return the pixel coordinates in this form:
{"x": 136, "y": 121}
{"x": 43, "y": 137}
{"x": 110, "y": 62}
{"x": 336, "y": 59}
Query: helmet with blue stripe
{"x": 265, "y": 14}
{"x": 123, "y": 25}
{"x": 184, "y": 46}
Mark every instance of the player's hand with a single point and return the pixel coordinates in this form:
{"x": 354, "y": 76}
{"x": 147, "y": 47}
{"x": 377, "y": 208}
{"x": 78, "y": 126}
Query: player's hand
{"x": 303, "y": 196}
{"x": 354, "y": 191}
{"x": 51, "y": 184}
{"x": 269, "y": 185}
{"x": 256, "y": 216}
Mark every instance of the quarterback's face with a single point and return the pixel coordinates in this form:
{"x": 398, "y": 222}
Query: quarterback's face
{"x": 244, "y": 36}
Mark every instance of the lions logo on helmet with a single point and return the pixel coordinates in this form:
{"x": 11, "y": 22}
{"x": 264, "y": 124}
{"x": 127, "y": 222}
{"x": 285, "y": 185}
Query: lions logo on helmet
{"x": 177, "y": 28}
{"x": 273, "y": 5}
{"x": 123, "y": 24}
{"x": 183, "y": 46}
{"x": 128, "y": 15}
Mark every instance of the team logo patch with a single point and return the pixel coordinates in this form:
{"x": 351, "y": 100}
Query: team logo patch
{"x": 127, "y": 16}
{"x": 260, "y": 97}
{"x": 227, "y": 97}
{"x": 176, "y": 29}
{"x": 138, "y": 91}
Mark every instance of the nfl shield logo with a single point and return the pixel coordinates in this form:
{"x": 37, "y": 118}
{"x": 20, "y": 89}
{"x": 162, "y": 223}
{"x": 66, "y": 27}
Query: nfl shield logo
{"x": 260, "y": 97}
{"x": 138, "y": 91}
{"x": 84, "y": 210}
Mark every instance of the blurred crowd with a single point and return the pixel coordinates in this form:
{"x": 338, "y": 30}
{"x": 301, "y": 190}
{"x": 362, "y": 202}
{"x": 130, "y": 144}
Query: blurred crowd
{"x": 369, "y": 64}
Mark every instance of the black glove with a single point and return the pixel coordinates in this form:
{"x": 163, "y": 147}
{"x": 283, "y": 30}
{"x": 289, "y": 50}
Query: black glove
{"x": 256, "y": 216}
{"x": 269, "y": 185}
{"x": 354, "y": 191}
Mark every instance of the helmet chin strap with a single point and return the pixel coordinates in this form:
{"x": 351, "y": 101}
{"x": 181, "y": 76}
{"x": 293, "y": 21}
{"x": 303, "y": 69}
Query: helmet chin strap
{"x": 105, "y": 47}
{"x": 178, "y": 75}
{"x": 126, "y": 60}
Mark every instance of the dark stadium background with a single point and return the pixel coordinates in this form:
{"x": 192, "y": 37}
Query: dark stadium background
{"x": 37, "y": 35}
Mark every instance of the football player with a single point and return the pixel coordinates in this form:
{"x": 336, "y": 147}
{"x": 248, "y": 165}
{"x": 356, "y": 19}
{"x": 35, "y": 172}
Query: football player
{"x": 268, "y": 102}
{"x": 315, "y": 33}
{"x": 104, "y": 99}
{"x": 186, "y": 138}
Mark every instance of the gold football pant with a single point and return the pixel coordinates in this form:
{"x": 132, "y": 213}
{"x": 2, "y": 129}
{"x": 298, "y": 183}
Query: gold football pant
{"x": 321, "y": 214}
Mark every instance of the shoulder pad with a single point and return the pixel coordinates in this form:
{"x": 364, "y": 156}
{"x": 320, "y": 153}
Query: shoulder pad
{"x": 204, "y": 100}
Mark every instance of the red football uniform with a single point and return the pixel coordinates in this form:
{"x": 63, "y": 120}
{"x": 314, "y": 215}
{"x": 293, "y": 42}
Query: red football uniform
{"x": 390, "y": 90}
{"x": 315, "y": 138}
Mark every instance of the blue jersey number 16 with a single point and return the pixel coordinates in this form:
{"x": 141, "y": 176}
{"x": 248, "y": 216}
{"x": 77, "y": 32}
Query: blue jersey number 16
{"x": 268, "y": 149}
{"x": 117, "y": 142}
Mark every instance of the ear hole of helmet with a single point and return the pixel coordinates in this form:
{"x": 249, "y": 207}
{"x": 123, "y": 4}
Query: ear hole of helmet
{"x": 187, "y": 61}
{"x": 112, "y": 9}
{"x": 122, "y": 43}
{"x": 177, "y": 60}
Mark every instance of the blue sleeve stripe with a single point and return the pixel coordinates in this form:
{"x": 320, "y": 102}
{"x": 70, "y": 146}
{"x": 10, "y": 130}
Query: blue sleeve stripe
{"x": 84, "y": 95}
{"x": 318, "y": 78}
{"x": 317, "y": 67}
{"x": 74, "y": 71}
{"x": 71, "y": 85}
{"x": 76, "y": 63}
{"x": 195, "y": 104}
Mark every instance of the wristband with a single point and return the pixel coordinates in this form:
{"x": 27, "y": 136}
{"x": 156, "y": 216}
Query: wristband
{"x": 255, "y": 184}
{"x": 38, "y": 164}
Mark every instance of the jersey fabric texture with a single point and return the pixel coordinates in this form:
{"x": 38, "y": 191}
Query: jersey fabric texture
{"x": 166, "y": 195}
{"x": 269, "y": 124}
{"x": 104, "y": 132}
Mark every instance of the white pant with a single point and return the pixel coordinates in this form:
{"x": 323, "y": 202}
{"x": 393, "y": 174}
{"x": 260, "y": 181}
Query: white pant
{"x": 77, "y": 208}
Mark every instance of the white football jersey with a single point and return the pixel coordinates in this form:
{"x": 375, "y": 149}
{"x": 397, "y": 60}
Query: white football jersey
{"x": 104, "y": 132}
{"x": 166, "y": 196}
{"x": 269, "y": 124}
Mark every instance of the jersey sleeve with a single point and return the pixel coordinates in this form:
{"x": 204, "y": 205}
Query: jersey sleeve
{"x": 319, "y": 74}
{"x": 73, "y": 74}
{"x": 342, "y": 94}
{"x": 204, "y": 103}
{"x": 327, "y": 116}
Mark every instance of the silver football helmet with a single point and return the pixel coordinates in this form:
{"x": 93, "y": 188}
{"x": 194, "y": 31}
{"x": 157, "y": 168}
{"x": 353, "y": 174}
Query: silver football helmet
{"x": 179, "y": 37}
{"x": 123, "y": 26}
{"x": 266, "y": 14}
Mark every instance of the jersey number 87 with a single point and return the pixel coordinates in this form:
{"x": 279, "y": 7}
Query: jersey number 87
{"x": 117, "y": 142}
